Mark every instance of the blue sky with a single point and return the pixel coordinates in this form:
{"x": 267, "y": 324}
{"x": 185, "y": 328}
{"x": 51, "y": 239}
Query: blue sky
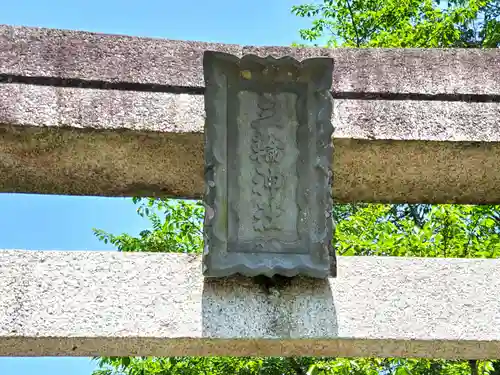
{"x": 65, "y": 223}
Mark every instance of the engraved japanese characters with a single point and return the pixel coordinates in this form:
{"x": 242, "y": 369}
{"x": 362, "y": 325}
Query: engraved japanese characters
{"x": 268, "y": 154}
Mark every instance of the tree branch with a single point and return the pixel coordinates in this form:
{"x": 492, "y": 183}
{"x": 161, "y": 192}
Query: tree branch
{"x": 473, "y": 367}
{"x": 349, "y": 7}
{"x": 296, "y": 366}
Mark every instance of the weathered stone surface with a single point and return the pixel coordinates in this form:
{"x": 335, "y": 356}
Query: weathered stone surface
{"x": 100, "y": 109}
{"x": 39, "y": 52}
{"x": 406, "y": 70}
{"x": 106, "y": 142}
{"x": 417, "y": 120}
{"x": 77, "y": 108}
{"x": 92, "y": 162}
{"x": 119, "y": 304}
{"x": 267, "y": 166}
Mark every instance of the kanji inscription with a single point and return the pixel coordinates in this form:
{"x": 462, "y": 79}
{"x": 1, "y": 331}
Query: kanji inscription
{"x": 268, "y": 154}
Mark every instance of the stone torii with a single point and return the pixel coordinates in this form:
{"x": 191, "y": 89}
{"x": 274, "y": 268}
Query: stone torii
{"x": 92, "y": 114}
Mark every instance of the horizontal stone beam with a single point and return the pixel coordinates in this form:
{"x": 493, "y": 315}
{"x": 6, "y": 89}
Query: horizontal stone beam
{"x": 121, "y": 304}
{"x": 84, "y": 56}
{"x": 92, "y": 114}
{"x": 60, "y": 140}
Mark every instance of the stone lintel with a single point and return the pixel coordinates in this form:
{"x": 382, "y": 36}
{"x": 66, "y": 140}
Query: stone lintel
{"x": 98, "y": 58}
{"x": 124, "y": 143}
{"x": 119, "y": 304}
{"x": 434, "y": 141}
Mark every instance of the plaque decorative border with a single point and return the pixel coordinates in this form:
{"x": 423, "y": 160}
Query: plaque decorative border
{"x": 226, "y": 76}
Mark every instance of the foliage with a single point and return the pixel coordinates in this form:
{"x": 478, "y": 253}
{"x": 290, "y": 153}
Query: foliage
{"x": 459, "y": 231}
{"x": 407, "y": 23}
{"x": 178, "y": 230}
{"x": 362, "y": 229}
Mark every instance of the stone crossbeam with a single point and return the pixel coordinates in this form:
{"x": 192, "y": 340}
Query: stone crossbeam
{"x": 95, "y": 59}
{"x": 91, "y": 114}
{"x": 122, "y": 304}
